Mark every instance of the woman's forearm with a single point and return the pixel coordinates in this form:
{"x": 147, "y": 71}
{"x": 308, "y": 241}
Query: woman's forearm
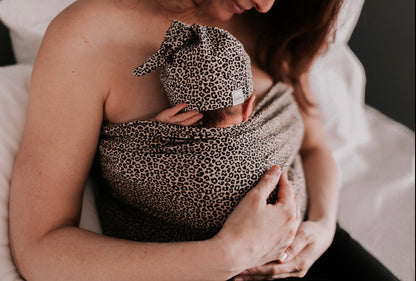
{"x": 322, "y": 183}
{"x": 70, "y": 253}
{"x": 320, "y": 169}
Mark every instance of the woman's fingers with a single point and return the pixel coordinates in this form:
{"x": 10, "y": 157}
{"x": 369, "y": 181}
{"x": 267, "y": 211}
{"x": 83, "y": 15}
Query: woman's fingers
{"x": 298, "y": 214}
{"x": 301, "y": 241}
{"x": 311, "y": 241}
{"x": 272, "y": 228}
{"x": 268, "y": 182}
{"x": 268, "y": 271}
{"x": 257, "y": 273}
{"x": 298, "y": 267}
{"x": 285, "y": 193}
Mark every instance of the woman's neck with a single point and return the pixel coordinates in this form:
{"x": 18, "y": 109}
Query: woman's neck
{"x": 187, "y": 11}
{"x": 178, "y": 6}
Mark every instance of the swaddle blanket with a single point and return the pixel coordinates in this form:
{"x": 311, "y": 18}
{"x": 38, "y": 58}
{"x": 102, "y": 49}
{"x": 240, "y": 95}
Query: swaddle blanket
{"x": 162, "y": 182}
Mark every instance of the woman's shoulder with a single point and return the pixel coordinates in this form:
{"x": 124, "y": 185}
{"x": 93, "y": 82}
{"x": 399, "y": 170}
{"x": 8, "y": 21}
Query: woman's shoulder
{"x": 91, "y": 35}
{"x": 107, "y": 30}
{"x": 97, "y": 20}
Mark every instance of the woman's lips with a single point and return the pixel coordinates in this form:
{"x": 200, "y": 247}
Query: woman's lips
{"x": 237, "y": 9}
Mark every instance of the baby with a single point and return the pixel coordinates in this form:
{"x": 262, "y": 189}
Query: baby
{"x": 181, "y": 183}
{"x": 206, "y": 75}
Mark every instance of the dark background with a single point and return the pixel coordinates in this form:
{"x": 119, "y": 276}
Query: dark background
{"x": 6, "y": 54}
{"x": 384, "y": 41}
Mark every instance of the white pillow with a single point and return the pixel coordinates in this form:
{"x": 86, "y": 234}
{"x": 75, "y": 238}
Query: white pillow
{"x": 27, "y": 21}
{"x": 14, "y": 84}
{"x": 14, "y": 87}
{"x": 347, "y": 19}
{"x": 337, "y": 82}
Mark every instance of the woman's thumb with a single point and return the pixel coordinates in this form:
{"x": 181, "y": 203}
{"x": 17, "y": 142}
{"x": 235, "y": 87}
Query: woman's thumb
{"x": 285, "y": 192}
{"x": 268, "y": 181}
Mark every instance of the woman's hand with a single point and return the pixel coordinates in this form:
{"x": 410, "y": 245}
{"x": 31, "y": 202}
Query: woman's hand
{"x": 256, "y": 232}
{"x": 312, "y": 239}
{"x": 172, "y": 116}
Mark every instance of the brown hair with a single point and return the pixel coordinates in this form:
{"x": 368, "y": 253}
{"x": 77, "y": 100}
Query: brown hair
{"x": 295, "y": 32}
{"x": 213, "y": 117}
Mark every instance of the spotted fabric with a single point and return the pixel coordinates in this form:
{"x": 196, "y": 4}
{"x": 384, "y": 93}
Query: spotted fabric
{"x": 206, "y": 67}
{"x": 161, "y": 182}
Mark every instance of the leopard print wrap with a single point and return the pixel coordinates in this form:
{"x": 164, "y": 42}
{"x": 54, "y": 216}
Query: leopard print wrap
{"x": 161, "y": 182}
{"x": 206, "y": 67}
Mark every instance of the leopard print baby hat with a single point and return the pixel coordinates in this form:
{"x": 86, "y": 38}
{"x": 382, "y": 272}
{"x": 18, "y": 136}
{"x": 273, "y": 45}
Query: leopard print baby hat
{"x": 162, "y": 182}
{"x": 206, "y": 67}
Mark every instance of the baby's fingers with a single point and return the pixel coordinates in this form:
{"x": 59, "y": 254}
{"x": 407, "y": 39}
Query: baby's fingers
{"x": 186, "y": 119}
{"x": 191, "y": 120}
{"x": 170, "y": 112}
{"x": 167, "y": 114}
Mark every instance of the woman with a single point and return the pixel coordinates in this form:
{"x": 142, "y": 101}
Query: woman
{"x": 79, "y": 80}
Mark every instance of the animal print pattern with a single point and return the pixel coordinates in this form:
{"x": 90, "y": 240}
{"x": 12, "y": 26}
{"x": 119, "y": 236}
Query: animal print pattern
{"x": 161, "y": 182}
{"x": 202, "y": 66}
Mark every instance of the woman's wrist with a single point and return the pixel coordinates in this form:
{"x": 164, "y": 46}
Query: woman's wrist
{"x": 328, "y": 221}
{"x": 230, "y": 257}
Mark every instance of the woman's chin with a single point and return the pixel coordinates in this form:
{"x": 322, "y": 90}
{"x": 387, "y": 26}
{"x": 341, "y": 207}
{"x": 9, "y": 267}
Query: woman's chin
{"x": 224, "y": 16}
{"x": 219, "y": 12}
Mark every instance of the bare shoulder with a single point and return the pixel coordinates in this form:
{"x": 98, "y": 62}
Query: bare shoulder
{"x": 103, "y": 41}
{"x": 74, "y": 47}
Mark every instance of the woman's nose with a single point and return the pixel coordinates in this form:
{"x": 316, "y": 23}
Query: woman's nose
{"x": 263, "y": 6}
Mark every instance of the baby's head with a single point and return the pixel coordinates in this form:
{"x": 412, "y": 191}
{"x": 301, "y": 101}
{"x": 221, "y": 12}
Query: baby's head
{"x": 228, "y": 116}
{"x": 208, "y": 69}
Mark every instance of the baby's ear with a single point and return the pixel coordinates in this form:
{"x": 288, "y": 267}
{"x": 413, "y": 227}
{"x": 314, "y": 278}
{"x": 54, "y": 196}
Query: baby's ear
{"x": 248, "y": 107}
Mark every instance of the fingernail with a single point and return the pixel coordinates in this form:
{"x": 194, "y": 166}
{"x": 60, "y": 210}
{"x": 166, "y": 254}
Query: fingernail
{"x": 282, "y": 172}
{"x": 277, "y": 168}
{"x": 283, "y": 258}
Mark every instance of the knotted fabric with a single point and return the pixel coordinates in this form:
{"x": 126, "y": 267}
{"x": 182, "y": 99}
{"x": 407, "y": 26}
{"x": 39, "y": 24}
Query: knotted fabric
{"x": 206, "y": 67}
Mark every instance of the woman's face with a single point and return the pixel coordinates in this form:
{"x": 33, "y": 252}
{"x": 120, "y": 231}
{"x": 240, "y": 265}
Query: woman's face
{"x": 221, "y": 10}
{"x": 224, "y": 9}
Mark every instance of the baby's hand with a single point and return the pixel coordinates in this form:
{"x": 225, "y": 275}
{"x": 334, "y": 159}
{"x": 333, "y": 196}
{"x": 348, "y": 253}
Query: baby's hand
{"x": 172, "y": 116}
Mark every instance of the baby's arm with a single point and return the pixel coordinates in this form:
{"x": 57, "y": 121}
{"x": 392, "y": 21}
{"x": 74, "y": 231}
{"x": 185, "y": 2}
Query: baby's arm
{"x": 172, "y": 116}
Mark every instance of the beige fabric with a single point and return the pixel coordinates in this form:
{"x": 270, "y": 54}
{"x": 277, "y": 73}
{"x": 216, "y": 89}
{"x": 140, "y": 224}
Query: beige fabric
{"x": 164, "y": 182}
{"x": 205, "y": 67}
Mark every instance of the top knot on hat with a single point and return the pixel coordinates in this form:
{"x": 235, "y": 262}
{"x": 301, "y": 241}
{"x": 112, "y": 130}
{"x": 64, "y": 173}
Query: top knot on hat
{"x": 206, "y": 67}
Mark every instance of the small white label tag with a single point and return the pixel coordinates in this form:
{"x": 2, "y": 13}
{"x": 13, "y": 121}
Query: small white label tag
{"x": 238, "y": 96}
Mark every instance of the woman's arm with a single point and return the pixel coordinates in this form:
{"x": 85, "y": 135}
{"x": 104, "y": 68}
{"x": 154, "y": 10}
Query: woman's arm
{"x": 69, "y": 87}
{"x": 320, "y": 169}
{"x": 314, "y": 235}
